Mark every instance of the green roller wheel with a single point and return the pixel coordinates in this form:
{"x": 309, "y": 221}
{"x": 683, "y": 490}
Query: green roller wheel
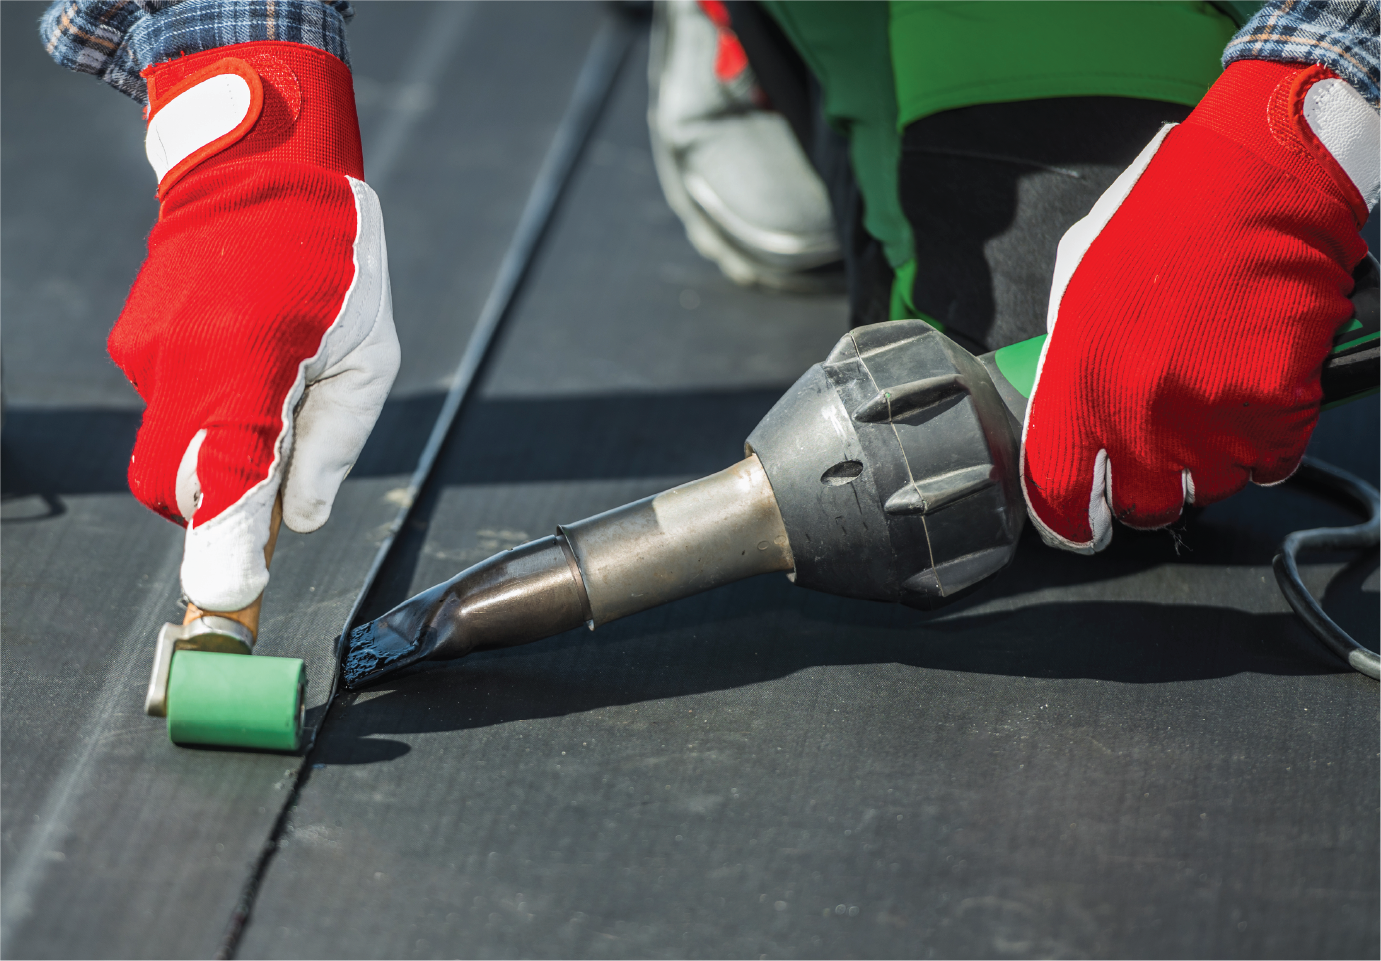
{"x": 236, "y": 700}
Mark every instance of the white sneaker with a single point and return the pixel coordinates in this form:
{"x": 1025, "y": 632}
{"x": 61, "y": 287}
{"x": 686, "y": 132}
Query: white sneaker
{"x": 732, "y": 170}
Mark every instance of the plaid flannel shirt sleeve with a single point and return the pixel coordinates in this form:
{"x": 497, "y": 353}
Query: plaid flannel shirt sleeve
{"x": 1341, "y": 35}
{"x": 116, "y": 39}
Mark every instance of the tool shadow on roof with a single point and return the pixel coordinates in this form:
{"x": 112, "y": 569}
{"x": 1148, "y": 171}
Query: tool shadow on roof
{"x": 696, "y": 646}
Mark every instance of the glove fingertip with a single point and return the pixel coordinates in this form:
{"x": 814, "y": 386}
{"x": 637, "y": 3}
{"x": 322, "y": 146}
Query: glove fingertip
{"x": 223, "y": 566}
{"x": 313, "y": 478}
{"x": 224, "y": 571}
{"x": 1151, "y": 499}
{"x": 303, "y": 514}
{"x": 1275, "y": 472}
{"x": 1065, "y": 517}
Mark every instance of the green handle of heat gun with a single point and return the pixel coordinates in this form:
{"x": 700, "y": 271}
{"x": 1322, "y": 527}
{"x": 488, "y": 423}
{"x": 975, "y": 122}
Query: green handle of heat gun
{"x": 1351, "y": 372}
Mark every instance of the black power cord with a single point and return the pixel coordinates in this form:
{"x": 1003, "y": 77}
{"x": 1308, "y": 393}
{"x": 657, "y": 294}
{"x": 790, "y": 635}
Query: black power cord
{"x": 1336, "y": 482}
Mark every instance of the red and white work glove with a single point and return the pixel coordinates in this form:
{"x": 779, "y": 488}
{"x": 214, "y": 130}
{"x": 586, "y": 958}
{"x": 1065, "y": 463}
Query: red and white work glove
{"x": 1192, "y": 309}
{"x": 260, "y": 328}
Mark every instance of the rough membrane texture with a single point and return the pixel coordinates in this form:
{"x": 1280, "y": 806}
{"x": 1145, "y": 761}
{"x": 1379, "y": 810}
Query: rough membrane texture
{"x": 1139, "y": 755}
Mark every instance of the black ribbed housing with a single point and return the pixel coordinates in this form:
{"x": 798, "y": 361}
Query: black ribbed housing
{"x": 894, "y": 463}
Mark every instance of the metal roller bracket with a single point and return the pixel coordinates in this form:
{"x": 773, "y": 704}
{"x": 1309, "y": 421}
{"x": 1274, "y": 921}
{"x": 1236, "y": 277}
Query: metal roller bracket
{"x": 207, "y": 633}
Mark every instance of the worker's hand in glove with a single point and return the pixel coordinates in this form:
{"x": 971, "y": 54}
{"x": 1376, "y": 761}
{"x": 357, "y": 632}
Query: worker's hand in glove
{"x": 1193, "y": 307}
{"x": 260, "y": 329}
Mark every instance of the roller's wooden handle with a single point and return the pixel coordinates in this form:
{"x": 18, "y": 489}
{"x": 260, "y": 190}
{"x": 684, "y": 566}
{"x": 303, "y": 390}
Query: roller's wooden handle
{"x": 249, "y": 616}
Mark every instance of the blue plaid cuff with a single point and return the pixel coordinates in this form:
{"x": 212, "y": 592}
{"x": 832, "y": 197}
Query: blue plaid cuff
{"x": 116, "y": 39}
{"x": 1341, "y": 35}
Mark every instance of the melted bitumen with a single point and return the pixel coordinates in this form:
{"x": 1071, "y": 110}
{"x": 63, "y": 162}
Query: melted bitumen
{"x": 373, "y": 648}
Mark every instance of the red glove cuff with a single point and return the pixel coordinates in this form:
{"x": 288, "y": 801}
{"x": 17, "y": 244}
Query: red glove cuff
{"x": 1232, "y": 109}
{"x": 301, "y": 108}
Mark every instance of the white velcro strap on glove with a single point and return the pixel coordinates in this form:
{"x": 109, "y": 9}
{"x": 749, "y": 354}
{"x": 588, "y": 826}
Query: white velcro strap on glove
{"x": 195, "y": 118}
{"x": 1351, "y": 130}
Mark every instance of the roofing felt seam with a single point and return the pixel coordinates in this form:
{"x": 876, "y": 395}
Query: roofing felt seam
{"x": 592, "y": 87}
